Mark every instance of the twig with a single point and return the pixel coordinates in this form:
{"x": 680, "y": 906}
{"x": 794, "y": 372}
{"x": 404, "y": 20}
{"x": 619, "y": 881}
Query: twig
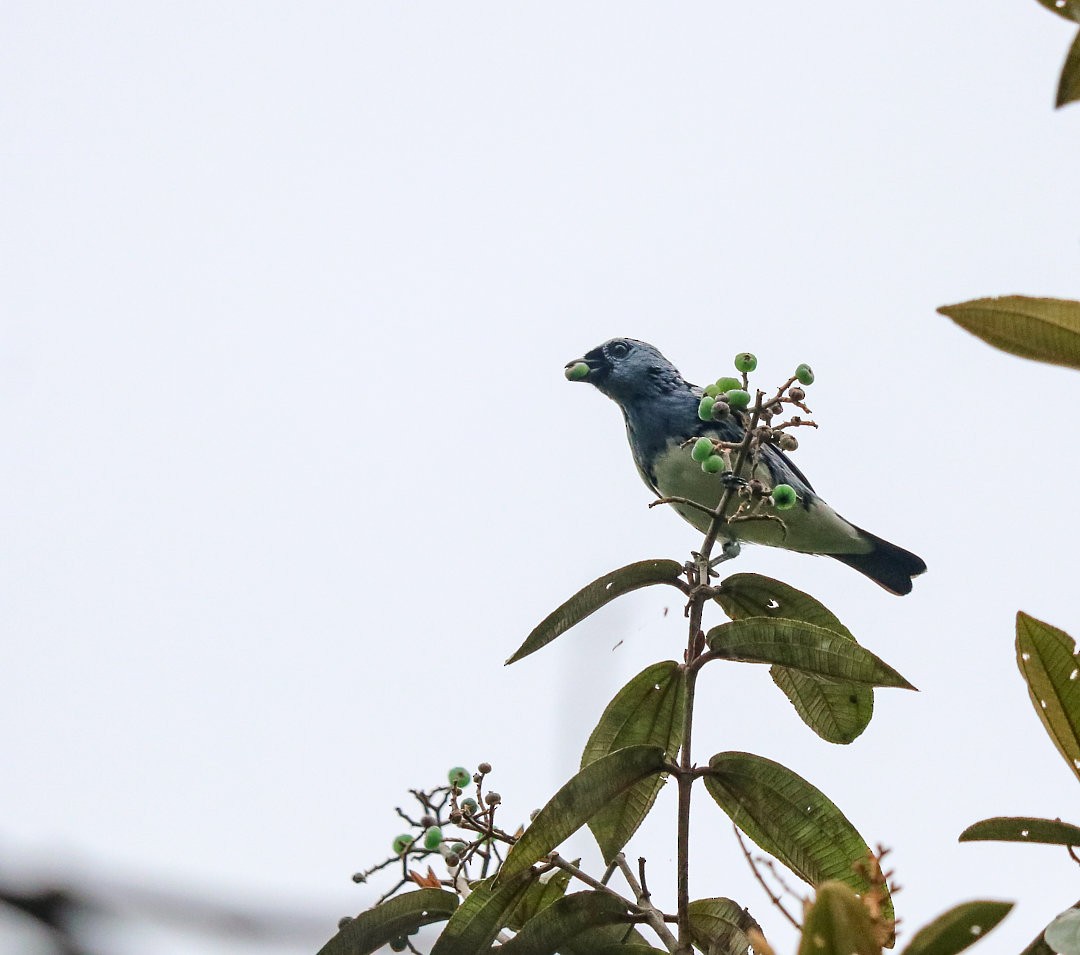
{"x": 649, "y": 912}
{"x": 775, "y": 899}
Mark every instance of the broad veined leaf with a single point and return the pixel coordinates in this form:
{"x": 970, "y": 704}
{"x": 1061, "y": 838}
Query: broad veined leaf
{"x": 790, "y": 819}
{"x": 958, "y": 928}
{"x": 1069, "y": 84}
{"x": 648, "y": 710}
{"x": 550, "y": 887}
{"x": 720, "y": 926}
{"x": 591, "y": 598}
{"x": 564, "y": 920}
{"x": 1045, "y": 329}
{"x": 618, "y": 948}
{"x": 1047, "y": 659}
{"x": 579, "y": 800}
{"x": 1069, "y": 9}
{"x": 479, "y": 918}
{"x": 608, "y": 940}
{"x": 1051, "y": 832}
{"x": 391, "y": 919}
{"x": 837, "y": 711}
{"x": 801, "y": 646}
{"x": 837, "y": 923}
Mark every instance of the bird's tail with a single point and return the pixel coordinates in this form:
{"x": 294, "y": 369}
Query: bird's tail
{"x": 886, "y": 564}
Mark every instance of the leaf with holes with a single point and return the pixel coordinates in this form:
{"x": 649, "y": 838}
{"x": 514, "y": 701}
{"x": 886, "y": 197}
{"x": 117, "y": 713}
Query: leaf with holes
{"x": 958, "y": 928}
{"x": 790, "y": 819}
{"x": 591, "y": 598}
{"x": 720, "y": 926}
{"x": 565, "y": 920}
{"x": 579, "y": 800}
{"x": 1051, "y": 832}
{"x": 378, "y": 926}
{"x": 1069, "y": 84}
{"x": 649, "y": 710}
{"x": 1047, "y": 659}
{"x": 1044, "y": 329}
{"x": 801, "y": 646}
{"x": 1069, "y": 9}
{"x": 837, "y": 711}
{"x": 478, "y": 919}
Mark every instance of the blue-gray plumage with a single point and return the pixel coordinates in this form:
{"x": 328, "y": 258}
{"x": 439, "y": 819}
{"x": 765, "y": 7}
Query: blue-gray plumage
{"x": 660, "y": 409}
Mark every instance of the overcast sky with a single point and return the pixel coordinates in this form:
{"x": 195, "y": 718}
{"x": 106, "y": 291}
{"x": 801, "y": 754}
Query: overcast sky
{"x": 290, "y": 466}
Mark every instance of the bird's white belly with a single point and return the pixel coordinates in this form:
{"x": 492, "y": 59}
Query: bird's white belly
{"x": 815, "y": 530}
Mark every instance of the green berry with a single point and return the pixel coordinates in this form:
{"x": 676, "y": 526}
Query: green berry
{"x": 459, "y": 776}
{"x": 399, "y": 944}
{"x": 745, "y": 362}
{"x": 458, "y": 848}
{"x": 784, "y": 497}
{"x": 469, "y": 804}
{"x": 702, "y": 449}
{"x": 737, "y": 398}
{"x": 432, "y": 837}
{"x": 713, "y": 464}
{"x": 712, "y": 391}
{"x": 402, "y": 842}
{"x": 704, "y": 408}
{"x": 726, "y": 384}
{"x": 577, "y": 371}
{"x": 805, "y": 374}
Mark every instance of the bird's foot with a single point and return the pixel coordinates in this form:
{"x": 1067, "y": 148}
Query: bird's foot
{"x": 729, "y": 551}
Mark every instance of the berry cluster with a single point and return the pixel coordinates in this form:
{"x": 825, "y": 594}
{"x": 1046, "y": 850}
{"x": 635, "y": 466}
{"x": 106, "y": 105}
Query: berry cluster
{"x": 728, "y": 397}
{"x": 476, "y": 839}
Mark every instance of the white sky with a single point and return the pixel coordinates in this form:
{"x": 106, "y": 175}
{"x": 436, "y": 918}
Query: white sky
{"x": 290, "y": 466}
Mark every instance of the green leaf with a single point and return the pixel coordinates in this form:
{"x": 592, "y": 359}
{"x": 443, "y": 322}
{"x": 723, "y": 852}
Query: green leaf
{"x": 958, "y": 928}
{"x": 720, "y": 926}
{"x": 1045, "y": 329}
{"x": 837, "y": 711}
{"x": 1069, "y": 9}
{"x": 1069, "y": 84}
{"x": 391, "y": 919}
{"x": 579, "y": 800}
{"x": 564, "y": 920}
{"x": 630, "y": 948}
{"x": 1047, "y": 659}
{"x": 549, "y": 888}
{"x": 648, "y": 710}
{"x": 837, "y": 924}
{"x": 1052, "y": 832}
{"x": 590, "y": 599}
{"x": 790, "y": 819}
{"x": 801, "y": 646}
{"x": 478, "y": 919}
{"x": 608, "y": 940}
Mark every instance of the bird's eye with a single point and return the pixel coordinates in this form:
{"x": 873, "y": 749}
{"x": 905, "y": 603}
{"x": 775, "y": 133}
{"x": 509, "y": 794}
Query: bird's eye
{"x": 619, "y": 350}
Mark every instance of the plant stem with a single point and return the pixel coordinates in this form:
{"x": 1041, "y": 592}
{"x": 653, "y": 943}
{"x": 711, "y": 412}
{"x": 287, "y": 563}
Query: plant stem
{"x": 699, "y": 593}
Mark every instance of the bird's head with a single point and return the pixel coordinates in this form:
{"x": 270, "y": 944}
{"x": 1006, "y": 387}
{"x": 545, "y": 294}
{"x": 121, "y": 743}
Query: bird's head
{"x": 626, "y": 370}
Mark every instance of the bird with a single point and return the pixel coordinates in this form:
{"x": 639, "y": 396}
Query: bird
{"x": 660, "y": 409}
